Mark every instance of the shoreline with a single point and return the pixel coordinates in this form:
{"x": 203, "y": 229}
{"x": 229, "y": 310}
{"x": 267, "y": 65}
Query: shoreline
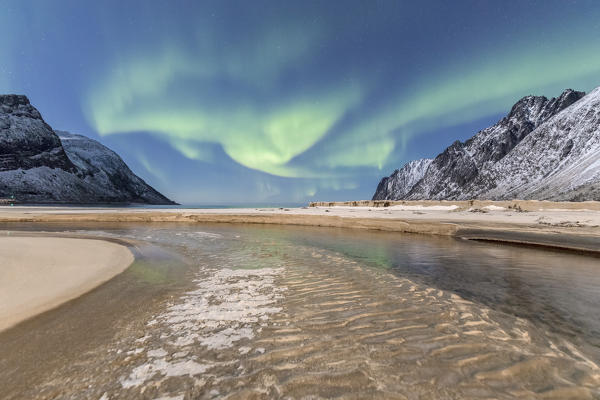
{"x": 40, "y": 273}
{"x": 557, "y": 225}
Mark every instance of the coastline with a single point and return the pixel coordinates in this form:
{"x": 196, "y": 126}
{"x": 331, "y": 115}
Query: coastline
{"x": 40, "y": 273}
{"x": 559, "y": 225}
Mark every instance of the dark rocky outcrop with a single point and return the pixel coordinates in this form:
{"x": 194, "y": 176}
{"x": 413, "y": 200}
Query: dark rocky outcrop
{"x": 26, "y": 141}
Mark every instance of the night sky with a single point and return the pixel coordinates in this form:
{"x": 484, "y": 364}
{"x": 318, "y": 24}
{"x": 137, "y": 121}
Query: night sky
{"x": 288, "y": 101}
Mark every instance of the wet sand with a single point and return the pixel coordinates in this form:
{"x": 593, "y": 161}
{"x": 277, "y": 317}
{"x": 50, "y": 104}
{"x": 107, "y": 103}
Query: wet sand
{"x": 40, "y": 273}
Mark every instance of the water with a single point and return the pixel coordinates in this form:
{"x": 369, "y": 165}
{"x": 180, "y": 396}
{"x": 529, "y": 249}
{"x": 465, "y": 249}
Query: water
{"x": 226, "y": 311}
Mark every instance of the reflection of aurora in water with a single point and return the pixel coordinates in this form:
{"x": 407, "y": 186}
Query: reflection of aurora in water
{"x": 275, "y": 312}
{"x": 148, "y": 274}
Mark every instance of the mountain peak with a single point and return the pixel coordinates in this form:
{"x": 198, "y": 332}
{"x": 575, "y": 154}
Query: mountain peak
{"x": 18, "y": 105}
{"x": 568, "y": 97}
{"x": 12, "y": 100}
{"x": 536, "y": 109}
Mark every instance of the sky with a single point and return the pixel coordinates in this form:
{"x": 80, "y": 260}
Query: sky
{"x": 223, "y": 102}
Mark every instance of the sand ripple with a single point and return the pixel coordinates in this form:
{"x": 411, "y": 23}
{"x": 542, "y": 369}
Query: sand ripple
{"x": 307, "y": 323}
{"x": 350, "y": 332}
{"x": 227, "y": 306}
{"x": 326, "y": 327}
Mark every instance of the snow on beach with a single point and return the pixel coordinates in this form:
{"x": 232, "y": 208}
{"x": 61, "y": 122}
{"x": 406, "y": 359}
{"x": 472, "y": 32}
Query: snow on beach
{"x": 494, "y": 208}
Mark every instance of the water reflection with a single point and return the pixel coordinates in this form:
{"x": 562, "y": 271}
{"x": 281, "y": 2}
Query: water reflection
{"x": 264, "y": 312}
{"x": 560, "y": 291}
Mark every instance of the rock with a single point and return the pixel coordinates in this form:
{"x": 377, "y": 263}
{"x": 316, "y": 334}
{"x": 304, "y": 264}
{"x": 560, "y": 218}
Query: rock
{"x": 26, "y": 141}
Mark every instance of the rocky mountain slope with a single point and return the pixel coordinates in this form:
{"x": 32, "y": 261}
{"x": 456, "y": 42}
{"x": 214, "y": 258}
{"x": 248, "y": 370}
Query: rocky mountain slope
{"x": 397, "y": 185}
{"x": 26, "y": 141}
{"x": 543, "y": 149}
{"x": 37, "y": 165}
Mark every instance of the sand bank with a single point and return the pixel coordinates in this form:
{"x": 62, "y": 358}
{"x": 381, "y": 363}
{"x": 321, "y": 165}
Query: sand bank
{"x": 524, "y": 205}
{"x": 572, "y": 226}
{"x": 40, "y": 273}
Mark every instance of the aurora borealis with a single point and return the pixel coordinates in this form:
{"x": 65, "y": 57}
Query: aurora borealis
{"x": 264, "y": 101}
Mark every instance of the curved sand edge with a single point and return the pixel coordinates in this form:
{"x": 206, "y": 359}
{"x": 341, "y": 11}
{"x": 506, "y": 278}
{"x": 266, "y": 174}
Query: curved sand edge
{"x": 40, "y": 273}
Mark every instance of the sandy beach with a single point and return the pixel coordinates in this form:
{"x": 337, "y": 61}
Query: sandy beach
{"x": 40, "y": 273}
{"x": 565, "y": 225}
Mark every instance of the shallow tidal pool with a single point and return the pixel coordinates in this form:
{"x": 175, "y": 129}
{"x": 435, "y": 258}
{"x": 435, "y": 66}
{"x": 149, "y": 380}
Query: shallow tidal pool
{"x": 250, "y": 311}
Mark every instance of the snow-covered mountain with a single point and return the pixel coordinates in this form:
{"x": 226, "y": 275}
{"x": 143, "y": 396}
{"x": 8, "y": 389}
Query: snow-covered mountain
{"x": 399, "y": 183}
{"x": 543, "y": 149}
{"x": 560, "y": 160}
{"x": 39, "y": 165}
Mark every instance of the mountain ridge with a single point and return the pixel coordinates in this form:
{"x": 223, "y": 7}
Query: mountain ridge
{"x": 481, "y": 167}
